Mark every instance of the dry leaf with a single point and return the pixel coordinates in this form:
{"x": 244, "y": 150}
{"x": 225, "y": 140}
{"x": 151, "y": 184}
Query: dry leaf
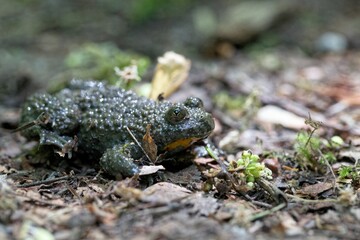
{"x": 343, "y": 90}
{"x": 126, "y": 192}
{"x": 316, "y": 189}
{"x": 164, "y": 192}
{"x": 149, "y": 145}
{"x": 147, "y": 170}
{"x": 203, "y": 161}
{"x": 171, "y": 71}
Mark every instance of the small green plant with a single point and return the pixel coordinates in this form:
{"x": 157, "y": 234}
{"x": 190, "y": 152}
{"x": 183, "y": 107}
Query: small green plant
{"x": 248, "y": 168}
{"x": 98, "y": 60}
{"x": 140, "y": 11}
{"x": 346, "y": 172}
{"x": 314, "y": 152}
{"x": 244, "y": 107}
{"x": 335, "y": 142}
{"x": 350, "y": 172}
{"x": 304, "y": 147}
{"x": 227, "y": 102}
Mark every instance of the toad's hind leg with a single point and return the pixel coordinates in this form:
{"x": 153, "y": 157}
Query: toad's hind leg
{"x": 62, "y": 115}
{"x": 53, "y": 120}
{"x": 118, "y": 161}
{"x": 66, "y": 144}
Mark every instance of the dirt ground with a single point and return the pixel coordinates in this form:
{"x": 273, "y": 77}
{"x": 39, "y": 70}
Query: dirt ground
{"x": 294, "y": 106}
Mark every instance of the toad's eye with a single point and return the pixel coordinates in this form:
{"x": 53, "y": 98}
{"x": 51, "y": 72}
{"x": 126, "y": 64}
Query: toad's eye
{"x": 194, "y": 102}
{"x": 176, "y": 114}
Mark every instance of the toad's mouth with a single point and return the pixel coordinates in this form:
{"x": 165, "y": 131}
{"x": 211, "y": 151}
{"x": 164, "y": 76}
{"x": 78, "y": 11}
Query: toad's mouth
{"x": 181, "y": 144}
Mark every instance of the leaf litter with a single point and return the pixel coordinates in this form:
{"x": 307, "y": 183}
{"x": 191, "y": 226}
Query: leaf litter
{"x": 320, "y": 178}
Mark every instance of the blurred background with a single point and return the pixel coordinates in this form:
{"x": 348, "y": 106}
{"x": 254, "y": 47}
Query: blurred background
{"x": 261, "y": 68}
{"x": 46, "y": 41}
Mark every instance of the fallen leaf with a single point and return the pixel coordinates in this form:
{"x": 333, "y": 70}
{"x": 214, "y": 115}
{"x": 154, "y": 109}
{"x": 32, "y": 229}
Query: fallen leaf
{"x": 171, "y": 71}
{"x": 202, "y": 205}
{"x": 164, "y": 192}
{"x": 147, "y": 170}
{"x": 126, "y": 190}
{"x": 316, "y": 189}
{"x": 203, "y": 161}
{"x": 187, "y": 176}
{"x": 321, "y": 206}
{"x": 343, "y": 90}
{"x": 149, "y": 145}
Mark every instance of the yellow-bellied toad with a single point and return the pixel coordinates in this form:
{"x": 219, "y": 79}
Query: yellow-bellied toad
{"x": 94, "y": 118}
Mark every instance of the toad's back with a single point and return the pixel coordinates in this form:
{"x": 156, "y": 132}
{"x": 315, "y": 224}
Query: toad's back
{"x": 107, "y": 112}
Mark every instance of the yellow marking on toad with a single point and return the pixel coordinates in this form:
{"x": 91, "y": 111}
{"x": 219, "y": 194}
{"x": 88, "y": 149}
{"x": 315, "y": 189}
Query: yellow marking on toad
{"x": 181, "y": 143}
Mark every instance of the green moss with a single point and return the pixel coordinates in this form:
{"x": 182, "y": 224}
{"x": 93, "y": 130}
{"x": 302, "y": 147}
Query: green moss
{"x": 98, "y": 60}
{"x": 351, "y": 173}
{"x": 227, "y": 102}
{"x": 143, "y": 10}
{"x": 239, "y": 105}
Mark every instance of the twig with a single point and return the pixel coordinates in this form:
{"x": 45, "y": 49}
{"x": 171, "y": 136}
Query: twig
{"x": 310, "y": 136}
{"x": 314, "y": 124}
{"x": 137, "y": 142}
{"x": 267, "y": 212}
{"x": 299, "y": 199}
{"x": 275, "y": 192}
{"x": 74, "y": 193}
{"x": 39, "y": 200}
{"x": 261, "y": 204}
{"x": 216, "y": 158}
{"x": 43, "y": 118}
{"x": 330, "y": 168}
{"x": 26, "y": 185}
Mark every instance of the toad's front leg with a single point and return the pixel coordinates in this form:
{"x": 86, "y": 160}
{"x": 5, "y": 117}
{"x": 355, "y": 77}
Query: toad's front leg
{"x": 119, "y": 160}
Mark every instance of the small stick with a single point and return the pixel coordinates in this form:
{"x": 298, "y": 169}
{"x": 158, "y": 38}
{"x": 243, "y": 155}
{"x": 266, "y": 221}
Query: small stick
{"x": 43, "y": 118}
{"x": 137, "y": 142}
{"x": 26, "y": 185}
{"x": 330, "y": 168}
{"x": 315, "y": 124}
{"x": 267, "y": 212}
{"x": 41, "y": 201}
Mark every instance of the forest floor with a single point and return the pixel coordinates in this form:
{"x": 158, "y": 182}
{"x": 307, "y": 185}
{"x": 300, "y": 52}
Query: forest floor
{"x": 314, "y": 191}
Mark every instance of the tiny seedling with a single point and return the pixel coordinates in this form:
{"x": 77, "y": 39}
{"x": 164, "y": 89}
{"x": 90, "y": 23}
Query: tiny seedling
{"x": 248, "y": 168}
{"x": 350, "y": 172}
{"x": 314, "y": 152}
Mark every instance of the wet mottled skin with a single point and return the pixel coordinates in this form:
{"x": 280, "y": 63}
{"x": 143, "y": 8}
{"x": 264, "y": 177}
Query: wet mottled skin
{"x": 91, "y": 118}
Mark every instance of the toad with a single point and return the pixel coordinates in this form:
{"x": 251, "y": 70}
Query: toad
{"x": 95, "y": 119}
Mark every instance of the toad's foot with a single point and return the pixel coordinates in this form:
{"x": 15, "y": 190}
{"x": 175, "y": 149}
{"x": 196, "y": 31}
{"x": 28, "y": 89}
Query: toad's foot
{"x": 118, "y": 161}
{"x": 65, "y": 143}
